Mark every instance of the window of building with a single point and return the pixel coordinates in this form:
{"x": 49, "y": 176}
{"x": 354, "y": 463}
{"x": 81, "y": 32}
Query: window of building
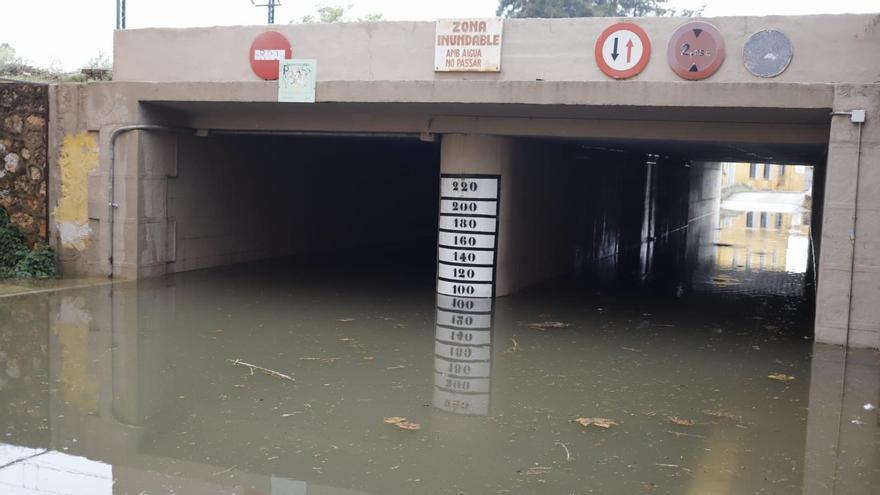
{"x": 782, "y": 170}
{"x": 750, "y": 219}
{"x": 779, "y": 220}
{"x": 767, "y": 170}
{"x": 753, "y": 170}
{"x": 763, "y": 219}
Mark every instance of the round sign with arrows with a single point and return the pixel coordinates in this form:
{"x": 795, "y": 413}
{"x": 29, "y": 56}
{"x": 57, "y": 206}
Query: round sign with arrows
{"x": 696, "y": 50}
{"x": 623, "y": 50}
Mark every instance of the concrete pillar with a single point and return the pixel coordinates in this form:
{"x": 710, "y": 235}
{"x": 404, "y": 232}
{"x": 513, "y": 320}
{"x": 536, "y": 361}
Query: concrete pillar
{"x": 156, "y": 232}
{"x": 535, "y": 239}
{"x": 847, "y": 309}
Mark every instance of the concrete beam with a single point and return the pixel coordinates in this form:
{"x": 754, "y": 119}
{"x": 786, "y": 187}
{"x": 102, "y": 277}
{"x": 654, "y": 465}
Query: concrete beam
{"x": 826, "y": 47}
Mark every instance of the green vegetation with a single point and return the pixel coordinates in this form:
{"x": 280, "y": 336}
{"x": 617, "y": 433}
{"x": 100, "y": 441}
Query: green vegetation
{"x": 587, "y": 8}
{"x": 14, "y": 67}
{"x": 16, "y": 260}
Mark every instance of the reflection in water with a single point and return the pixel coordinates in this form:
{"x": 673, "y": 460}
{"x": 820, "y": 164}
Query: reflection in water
{"x": 164, "y": 408}
{"x": 27, "y": 471}
{"x": 761, "y": 245}
{"x": 463, "y": 355}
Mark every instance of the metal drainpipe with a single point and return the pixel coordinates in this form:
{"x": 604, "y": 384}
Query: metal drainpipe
{"x": 855, "y": 219}
{"x": 111, "y": 193}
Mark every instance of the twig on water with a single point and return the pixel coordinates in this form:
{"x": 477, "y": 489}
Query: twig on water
{"x": 323, "y": 360}
{"x": 252, "y": 367}
{"x": 224, "y": 471}
{"x": 682, "y": 434}
{"x": 565, "y": 448}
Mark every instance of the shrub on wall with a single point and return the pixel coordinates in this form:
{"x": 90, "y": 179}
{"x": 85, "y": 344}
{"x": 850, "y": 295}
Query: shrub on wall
{"x": 16, "y": 260}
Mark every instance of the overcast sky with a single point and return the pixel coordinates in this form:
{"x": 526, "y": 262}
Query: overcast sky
{"x": 67, "y": 33}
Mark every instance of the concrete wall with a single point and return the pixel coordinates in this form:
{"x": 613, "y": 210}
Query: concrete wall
{"x": 232, "y": 198}
{"x": 828, "y": 48}
{"x": 610, "y": 214}
{"x": 704, "y": 208}
{"x": 24, "y": 134}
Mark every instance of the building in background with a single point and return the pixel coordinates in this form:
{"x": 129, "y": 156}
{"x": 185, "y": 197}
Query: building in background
{"x": 765, "y": 217}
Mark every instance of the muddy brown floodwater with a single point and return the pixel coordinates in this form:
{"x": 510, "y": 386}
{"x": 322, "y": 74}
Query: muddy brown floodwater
{"x": 134, "y": 389}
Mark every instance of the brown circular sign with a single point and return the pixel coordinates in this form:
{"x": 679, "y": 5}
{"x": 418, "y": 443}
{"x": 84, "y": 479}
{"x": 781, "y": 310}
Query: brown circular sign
{"x": 696, "y": 50}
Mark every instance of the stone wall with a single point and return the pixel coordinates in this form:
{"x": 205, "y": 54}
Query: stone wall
{"x": 24, "y": 111}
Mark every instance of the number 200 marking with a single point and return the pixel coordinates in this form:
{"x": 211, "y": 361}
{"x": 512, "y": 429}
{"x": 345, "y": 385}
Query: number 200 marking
{"x": 459, "y": 206}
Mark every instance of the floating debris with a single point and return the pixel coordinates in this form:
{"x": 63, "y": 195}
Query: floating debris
{"x": 680, "y": 421}
{"x": 869, "y": 407}
{"x": 682, "y": 434}
{"x": 782, "y": 377}
{"x": 323, "y": 360}
{"x": 597, "y": 422}
{"x": 722, "y": 414}
{"x": 267, "y": 371}
{"x": 345, "y": 320}
{"x": 537, "y": 470}
{"x": 402, "y": 423}
{"x": 544, "y": 325}
{"x": 568, "y": 457}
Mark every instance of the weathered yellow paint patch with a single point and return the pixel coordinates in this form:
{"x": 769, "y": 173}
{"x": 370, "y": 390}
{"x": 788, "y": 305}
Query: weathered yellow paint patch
{"x": 79, "y": 156}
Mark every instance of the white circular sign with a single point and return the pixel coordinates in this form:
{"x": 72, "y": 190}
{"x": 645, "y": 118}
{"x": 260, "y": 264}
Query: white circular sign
{"x": 623, "y": 50}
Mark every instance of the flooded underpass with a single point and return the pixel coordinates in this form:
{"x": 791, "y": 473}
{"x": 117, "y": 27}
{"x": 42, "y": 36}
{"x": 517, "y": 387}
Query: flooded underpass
{"x": 293, "y": 375}
{"x": 671, "y": 350}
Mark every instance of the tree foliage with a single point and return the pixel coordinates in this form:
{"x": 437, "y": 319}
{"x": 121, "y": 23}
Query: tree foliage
{"x": 581, "y": 8}
{"x": 334, "y": 13}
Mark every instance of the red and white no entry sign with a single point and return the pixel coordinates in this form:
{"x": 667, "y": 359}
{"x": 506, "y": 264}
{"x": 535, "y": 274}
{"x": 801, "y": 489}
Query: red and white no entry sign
{"x": 623, "y": 50}
{"x": 267, "y": 51}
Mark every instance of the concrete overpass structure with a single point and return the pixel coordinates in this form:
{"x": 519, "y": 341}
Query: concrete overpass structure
{"x": 203, "y": 166}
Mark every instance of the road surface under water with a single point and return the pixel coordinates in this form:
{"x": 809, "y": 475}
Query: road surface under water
{"x": 142, "y": 388}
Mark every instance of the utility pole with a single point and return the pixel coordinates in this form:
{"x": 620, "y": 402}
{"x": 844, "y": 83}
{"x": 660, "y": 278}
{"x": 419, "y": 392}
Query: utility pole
{"x": 120, "y": 14}
{"x": 271, "y": 5}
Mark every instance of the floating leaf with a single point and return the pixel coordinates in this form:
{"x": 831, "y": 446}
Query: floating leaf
{"x": 406, "y": 425}
{"x": 402, "y": 423}
{"x": 679, "y": 421}
{"x": 597, "y": 422}
{"x": 782, "y": 377}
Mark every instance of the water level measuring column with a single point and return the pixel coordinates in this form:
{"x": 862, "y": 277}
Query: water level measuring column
{"x": 468, "y": 234}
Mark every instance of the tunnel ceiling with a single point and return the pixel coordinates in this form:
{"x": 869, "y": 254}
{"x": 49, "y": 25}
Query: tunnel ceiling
{"x": 816, "y": 116}
{"x": 790, "y": 154}
{"x": 802, "y": 136}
